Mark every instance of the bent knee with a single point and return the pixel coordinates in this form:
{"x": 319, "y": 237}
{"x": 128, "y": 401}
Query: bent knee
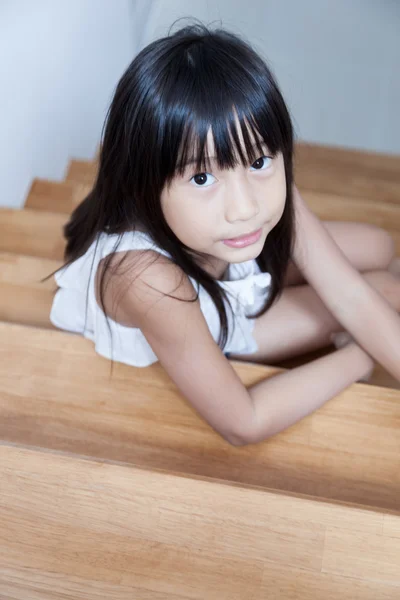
{"x": 384, "y": 246}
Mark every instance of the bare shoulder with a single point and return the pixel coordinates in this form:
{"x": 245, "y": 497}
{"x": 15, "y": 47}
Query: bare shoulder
{"x": 136, "y": 278}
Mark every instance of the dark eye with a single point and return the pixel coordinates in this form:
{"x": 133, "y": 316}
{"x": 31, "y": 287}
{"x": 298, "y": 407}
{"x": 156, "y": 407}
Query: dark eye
{"x": 201, "y": 179}
{"x": 260, "y": 162}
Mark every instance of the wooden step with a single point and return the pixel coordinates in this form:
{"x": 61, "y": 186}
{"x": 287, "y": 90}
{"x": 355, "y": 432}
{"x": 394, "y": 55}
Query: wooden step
{"x": 57, "y": 393}
{"x": 75, "y": 527}
{"x": 32, "y": 232}
{"x": 56, "y": 196}
{"x": 342, "y": 171}
{"x": 23, "y": 297}
{"x": 82, "y": 171}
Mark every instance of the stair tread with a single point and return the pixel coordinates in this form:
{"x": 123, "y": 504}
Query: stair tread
{"x": 56, "y": 393}
{"x": 91, "y": 523}
{"x": 32, "y": 232}
{"x": 55, "y": 196}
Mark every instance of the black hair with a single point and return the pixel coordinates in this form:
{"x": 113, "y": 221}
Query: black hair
{"x": 174, "y": 90}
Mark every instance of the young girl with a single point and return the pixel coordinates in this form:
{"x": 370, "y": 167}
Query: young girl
{"x": 191, "y": 243}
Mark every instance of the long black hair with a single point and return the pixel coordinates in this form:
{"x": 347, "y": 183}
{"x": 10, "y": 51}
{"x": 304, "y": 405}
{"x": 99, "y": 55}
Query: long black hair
{"x": 174, "y": 90}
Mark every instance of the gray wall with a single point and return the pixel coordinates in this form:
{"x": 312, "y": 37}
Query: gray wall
{"x": 337, "y": 61}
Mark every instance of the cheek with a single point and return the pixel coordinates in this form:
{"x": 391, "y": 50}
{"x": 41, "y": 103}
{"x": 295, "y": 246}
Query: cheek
{"x": 197, "y": 221}
{"x": 277, "y": 206}
{"x": 173, "y": 209}
{"x": 187, "y": 220}
{"x": 279, "y": 191}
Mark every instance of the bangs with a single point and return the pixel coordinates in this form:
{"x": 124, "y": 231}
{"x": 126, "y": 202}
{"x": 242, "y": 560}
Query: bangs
{"x": 261, "y": 136}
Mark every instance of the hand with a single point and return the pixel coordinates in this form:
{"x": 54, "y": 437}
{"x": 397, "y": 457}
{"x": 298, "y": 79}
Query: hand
{"x": 342, "y": 339}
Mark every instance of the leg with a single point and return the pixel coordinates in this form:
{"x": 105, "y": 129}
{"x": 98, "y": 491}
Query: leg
{"x": 299, "y": 322}
{"x": 394, "y": 267}
{"x": 367, "y": 247}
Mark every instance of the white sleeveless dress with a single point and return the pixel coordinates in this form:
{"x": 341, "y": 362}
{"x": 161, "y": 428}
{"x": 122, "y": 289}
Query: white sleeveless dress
{"x": 74, "y": 311}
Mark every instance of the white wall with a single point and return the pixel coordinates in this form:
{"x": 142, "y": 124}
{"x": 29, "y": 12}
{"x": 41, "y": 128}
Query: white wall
{"x": 337, "y": 61}
{"x": 59, "y": 63}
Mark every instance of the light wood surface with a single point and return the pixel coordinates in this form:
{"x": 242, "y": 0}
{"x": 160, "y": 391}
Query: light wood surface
{"x": 348, "y": 172}
{"x": 82, "y": 171}
{"x": 55, "y": 196}
{"x": 57, "y": 393}
{"x": 32, "y": 232}
{"x": 23, "y": 297}
{"x": 78, "y": 528}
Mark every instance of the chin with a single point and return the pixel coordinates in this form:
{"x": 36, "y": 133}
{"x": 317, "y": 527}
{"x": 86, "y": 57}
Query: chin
{"x": 247, "y": 253}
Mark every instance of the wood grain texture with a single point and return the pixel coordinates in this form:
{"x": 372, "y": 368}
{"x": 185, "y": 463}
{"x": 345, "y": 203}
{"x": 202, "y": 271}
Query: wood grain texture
{"x": 57, "y": 393}
{"x": 32, "y": 232}
{"x": 55, "y": 196}
{"x": 24, "y": 298}
{"x": 343, "y": 171}
{"x": 82, "y": 171}
{"x": 79, "y": 528}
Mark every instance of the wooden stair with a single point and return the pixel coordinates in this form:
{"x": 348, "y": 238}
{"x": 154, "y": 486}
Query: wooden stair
{"x": 32, "y": 232}
{"x": 113, "y": 487}
{"x": 69, "y": 402}
{"x": 84, "y": 528}
{"x": 56, "y": 196}
{"x": 23, "y": 297}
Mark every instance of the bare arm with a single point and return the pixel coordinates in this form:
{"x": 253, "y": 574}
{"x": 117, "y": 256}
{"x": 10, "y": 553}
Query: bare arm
{"x": 180, "y": 337}
{"x": 376, "y": 327}
{"x": 362, "y": 311}
{"x": 286, "y": 398}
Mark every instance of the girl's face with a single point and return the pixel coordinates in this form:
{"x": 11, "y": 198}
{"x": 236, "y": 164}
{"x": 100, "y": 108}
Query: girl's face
{"x": 204, "y": 209}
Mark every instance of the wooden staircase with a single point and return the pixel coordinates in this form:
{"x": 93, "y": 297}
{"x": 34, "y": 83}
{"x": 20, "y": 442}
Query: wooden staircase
{"x": 114, "y": 487}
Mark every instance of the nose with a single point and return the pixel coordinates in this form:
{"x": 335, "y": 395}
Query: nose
{"x": 241, "y": 204}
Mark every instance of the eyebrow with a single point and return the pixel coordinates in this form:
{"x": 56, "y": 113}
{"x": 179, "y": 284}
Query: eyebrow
{"x": 213, "y": 158}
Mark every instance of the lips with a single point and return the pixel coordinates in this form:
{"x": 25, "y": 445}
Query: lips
{"x": 245, "y": 240}
{"x": 245, "y": 235}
